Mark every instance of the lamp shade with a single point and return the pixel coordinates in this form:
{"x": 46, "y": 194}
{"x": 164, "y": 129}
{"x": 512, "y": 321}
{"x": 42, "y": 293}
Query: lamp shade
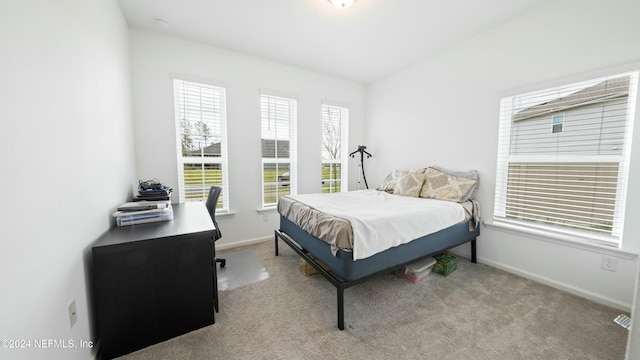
{"x": 342, "y": 3}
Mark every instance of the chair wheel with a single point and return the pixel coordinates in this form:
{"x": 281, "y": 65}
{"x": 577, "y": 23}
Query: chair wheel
{"x": 223, "y": 263}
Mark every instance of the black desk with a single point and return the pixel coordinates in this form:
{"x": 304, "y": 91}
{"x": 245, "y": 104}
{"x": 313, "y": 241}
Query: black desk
{"x": 154, "y": 281}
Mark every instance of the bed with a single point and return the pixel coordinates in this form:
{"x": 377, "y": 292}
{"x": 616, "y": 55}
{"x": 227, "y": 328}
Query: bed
{"x": 354, "y": 236}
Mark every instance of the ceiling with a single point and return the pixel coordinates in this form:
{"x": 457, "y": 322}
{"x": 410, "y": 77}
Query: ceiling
{"x": 363, "y": 43}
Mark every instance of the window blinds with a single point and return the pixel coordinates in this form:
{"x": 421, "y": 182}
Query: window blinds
{"x": 563, "y": 157}
{"x": 278, "y": 118}
{"x": 201, "y": 140}
{"x": 335, "y": 137}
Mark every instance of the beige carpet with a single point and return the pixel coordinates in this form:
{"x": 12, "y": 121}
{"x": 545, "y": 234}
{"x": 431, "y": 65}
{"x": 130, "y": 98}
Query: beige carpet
{"x": 477, "y": 312}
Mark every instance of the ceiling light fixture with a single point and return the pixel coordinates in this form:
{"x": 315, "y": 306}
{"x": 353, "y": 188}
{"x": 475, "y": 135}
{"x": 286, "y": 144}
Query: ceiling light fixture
{"x": 162, "y": 23}
{"x": 342, "y": 3}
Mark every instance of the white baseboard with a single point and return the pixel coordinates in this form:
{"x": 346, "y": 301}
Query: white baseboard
{"x": 236, "y": 244}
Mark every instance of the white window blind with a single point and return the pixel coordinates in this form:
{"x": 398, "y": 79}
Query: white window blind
{"x": 278, "y": 117}
{"x": 201, "y": 140}
{"x": 563, "y": 158}
{"x": 335, "y": 137}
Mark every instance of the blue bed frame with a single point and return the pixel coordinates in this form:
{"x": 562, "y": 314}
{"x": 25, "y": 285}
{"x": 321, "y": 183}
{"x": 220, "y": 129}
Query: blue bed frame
{"x": 344, "y": 272}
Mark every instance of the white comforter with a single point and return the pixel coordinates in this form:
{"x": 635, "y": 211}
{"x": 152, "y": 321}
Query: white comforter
{"x": 381, "y": 220}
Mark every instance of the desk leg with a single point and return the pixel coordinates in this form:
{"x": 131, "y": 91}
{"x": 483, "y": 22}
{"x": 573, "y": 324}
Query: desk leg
{"x": 215, "y": 289}
{"x": 215, "y": 278}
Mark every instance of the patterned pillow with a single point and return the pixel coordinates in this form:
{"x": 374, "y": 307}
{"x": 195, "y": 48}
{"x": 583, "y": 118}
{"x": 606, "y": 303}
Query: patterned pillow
{"x": 442, "y": 186}
{"x": 389, "y": 183}
{"x": 409, "y": 184}
{"x": 471, "y": 174}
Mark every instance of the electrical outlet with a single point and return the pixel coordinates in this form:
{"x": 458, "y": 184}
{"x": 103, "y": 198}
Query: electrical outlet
{"x": 73, "y": 314}
{"x": 265, "y": 218}
{"x": 609, "y": 263}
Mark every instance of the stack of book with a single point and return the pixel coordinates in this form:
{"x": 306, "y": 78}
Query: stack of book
{"x": 143, "y": 211}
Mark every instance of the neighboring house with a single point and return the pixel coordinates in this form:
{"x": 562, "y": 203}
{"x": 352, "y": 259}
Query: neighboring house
{"x": 580, "y": 130}
{"x": 211, "y": 150}
{"x": 569, "y": 149}
{"x": 269, "y": 148}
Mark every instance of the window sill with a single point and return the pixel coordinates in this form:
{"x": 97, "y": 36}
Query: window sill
{"x": 562, "y": 239}
{"x": 267, "y": 210}
{"x": 222, "y": 215}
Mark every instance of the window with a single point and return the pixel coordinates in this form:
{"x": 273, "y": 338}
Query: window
{"x": 201, "y": 140}
{"x": 278, "y": 117}
{"x": 335, "y": 135}
{"x": 557, "y": 121}
{"x": 571, "y": 180}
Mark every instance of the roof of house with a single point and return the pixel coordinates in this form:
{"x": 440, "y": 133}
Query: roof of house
{"x": 211, "y": 150}
{"x": 603, "y": 91}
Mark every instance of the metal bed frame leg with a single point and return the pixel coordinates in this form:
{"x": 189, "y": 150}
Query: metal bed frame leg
{"x": 275, "y": 237}
{"x": 473, "y": 251}
{"x": 340, "y": 307}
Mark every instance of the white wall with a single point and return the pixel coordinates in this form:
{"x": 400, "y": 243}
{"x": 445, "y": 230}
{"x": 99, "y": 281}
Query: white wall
{"x": 155, "y": 57}
{"x": 65, "y": 109}
{"x": 67, "y": 161}
{"x": 444, "y": 110}
{"x": 633, "y": 346}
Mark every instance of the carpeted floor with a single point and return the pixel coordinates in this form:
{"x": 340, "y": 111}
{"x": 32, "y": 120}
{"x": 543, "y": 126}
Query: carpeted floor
{"x": 477, "y": 312}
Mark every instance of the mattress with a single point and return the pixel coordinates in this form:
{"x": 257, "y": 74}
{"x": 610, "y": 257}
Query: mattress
{"x": 369, "y": 221}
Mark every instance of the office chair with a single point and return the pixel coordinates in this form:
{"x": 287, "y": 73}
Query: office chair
{"x": 212, "y": 202}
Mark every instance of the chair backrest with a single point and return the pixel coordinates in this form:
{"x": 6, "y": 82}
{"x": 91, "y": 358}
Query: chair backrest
{"x": 212, "y": 202}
